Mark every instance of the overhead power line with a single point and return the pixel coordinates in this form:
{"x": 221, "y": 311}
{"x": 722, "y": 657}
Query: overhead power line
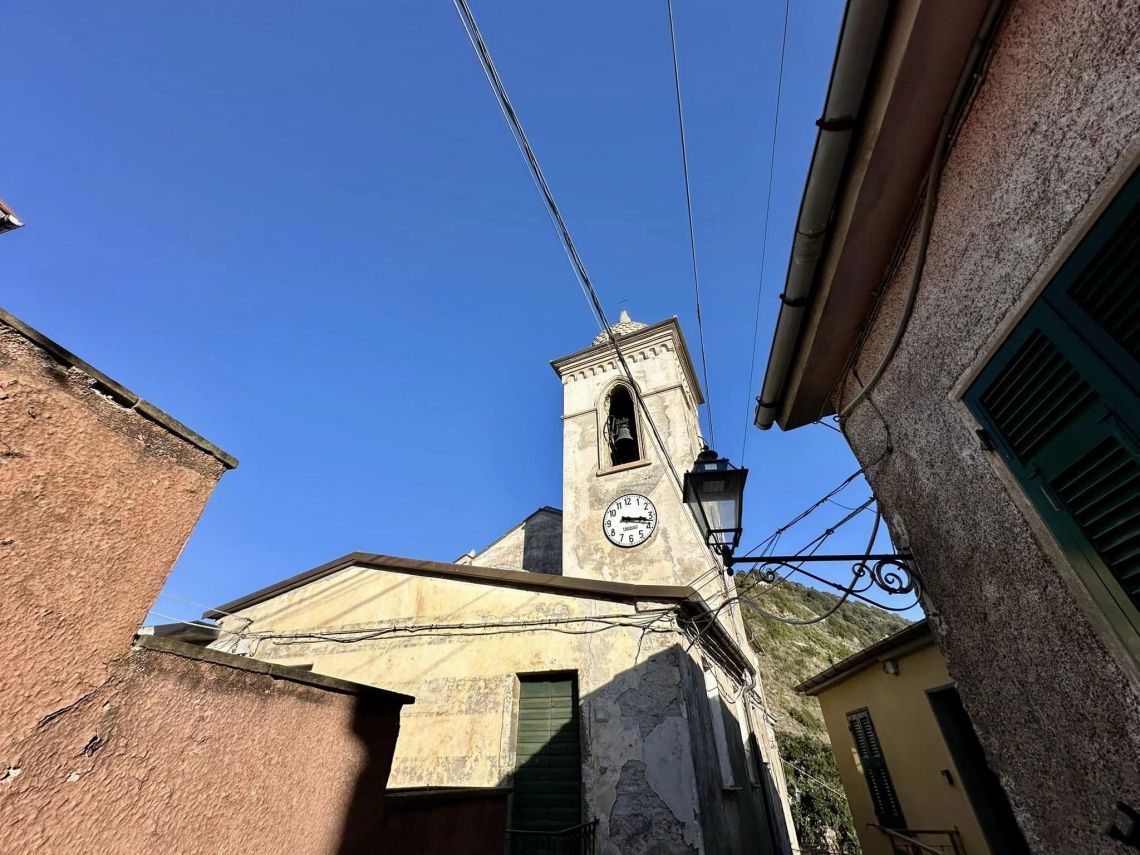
{"x": 692, "y": 230}
{"x": 764, "y": 239}
{"x": 587, "y": 286}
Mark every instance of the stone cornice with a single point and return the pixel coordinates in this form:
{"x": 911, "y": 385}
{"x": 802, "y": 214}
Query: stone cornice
{"x": 638, "y": 346}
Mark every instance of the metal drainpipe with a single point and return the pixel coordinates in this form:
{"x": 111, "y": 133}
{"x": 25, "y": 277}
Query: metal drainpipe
{"x": 799, "y": 287}
{"x": 854, "y": 58}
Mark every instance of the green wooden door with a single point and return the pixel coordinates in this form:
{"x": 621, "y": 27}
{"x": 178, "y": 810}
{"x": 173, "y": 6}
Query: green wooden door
{"x": 547, "y": 793}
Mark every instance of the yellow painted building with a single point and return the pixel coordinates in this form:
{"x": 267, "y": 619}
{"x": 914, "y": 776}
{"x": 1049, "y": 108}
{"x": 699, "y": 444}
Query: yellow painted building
{"x": 914, "y": 772}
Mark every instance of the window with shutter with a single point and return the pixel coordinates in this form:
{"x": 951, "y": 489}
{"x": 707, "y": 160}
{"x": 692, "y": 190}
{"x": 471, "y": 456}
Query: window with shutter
{"x": 547, "y": 788}
{"x": 1061, "y": 399}
{"x": 888, "y": 810}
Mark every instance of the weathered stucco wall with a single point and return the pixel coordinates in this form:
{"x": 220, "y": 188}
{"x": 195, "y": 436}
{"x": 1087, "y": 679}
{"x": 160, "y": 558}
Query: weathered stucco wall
{"x": 640, "y": 771}
{"x": 534, "y": 545}
{"x": 1056, "y": 702}
{"x": 96, "y": 501}
{"x": 912, "y": 744}
{"x": 171, "y": 753}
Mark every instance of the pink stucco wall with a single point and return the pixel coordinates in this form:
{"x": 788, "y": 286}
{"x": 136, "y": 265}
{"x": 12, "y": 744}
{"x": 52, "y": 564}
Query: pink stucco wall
{"x": 96, "y": 502}
{"x": 175, "y": 754}
{"x": 1054, "y": 699}
{"x": 160, "y": 746}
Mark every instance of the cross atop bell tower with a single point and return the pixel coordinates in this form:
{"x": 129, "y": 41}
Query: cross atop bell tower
{"x": 623, "y": 519}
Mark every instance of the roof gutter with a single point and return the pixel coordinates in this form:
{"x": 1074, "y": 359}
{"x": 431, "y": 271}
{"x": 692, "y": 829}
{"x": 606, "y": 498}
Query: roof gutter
{"x": 863, "y": 26}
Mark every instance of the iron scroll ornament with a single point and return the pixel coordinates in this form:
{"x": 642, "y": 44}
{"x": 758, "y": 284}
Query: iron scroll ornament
{"x": 891, "y": 573}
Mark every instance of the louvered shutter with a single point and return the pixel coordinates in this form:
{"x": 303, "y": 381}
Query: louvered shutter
{"x": 547, "y": 791}
{"x": 888, "y": 810}
{"x": 1060, "y": 398}
{"x": 1097, "y": 290}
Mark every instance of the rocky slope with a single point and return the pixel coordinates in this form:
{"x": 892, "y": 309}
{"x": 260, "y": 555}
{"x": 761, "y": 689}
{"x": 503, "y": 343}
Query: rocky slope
{"x": 789, "y": 655}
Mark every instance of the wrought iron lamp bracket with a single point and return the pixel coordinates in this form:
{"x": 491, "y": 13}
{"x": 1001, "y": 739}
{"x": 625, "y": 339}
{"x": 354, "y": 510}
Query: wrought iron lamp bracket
{"x": 890, "y": 572}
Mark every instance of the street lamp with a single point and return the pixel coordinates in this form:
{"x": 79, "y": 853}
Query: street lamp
{"x": 714, "y": 494}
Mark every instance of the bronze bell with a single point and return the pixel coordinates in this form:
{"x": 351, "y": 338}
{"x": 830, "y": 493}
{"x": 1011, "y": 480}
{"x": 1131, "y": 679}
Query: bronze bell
{"x": 620, "y": 431}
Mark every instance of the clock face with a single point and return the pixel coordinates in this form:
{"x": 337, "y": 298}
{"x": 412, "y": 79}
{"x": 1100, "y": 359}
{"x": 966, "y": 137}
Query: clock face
{"x": 629, "y": 520}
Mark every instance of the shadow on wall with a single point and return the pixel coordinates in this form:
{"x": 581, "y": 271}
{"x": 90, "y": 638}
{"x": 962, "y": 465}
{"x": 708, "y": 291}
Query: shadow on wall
{"x": 542, "y": 544}
{"x": 629, "y": 743}
{"x": 374, "y": 724}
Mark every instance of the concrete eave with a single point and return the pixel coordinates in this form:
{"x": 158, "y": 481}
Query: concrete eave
{"x": 921, "y": 57}
{"x": 116, "y": 391}
{"x": 906, "y": 640}
{"x": 667, "y": 330}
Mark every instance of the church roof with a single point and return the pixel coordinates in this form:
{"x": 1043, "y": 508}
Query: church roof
{"x": 624, "y": 326}
{"x": 686, "y": 597}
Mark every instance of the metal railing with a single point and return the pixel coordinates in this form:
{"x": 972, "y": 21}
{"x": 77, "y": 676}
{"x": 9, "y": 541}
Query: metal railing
{"x": 576, "y": 840}
{"x": 936, "y": 841}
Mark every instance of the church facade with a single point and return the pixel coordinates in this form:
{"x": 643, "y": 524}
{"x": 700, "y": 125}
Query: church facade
{"x": 591, "y": 659}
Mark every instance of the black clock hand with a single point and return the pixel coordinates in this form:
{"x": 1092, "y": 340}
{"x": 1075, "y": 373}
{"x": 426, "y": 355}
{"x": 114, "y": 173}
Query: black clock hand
{"x": 635, "y": 519}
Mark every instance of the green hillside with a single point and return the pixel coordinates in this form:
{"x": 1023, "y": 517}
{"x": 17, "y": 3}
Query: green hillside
{"x": 788, "y": 656}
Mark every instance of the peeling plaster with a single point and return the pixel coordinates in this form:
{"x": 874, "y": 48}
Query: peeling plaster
{"x": 640, "y": 821}
{"x": 669, "y": 771}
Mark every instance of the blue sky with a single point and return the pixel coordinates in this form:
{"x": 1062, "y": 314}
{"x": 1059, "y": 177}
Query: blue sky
{"x": 303, "y": 230}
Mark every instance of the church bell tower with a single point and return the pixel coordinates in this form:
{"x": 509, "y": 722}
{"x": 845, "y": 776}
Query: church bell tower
{"x": 623, "y": 518}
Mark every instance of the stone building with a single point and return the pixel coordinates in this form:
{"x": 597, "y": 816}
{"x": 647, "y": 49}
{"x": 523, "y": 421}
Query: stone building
{"x": 962, "y": 292}
{"x": 587, "y": 659}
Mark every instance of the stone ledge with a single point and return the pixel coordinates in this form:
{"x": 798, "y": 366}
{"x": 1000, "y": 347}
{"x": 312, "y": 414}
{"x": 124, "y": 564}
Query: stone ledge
{"x": 256, "y": 666}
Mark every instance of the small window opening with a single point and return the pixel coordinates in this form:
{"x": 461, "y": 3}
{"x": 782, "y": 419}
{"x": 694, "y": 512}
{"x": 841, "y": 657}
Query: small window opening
{"x": 621, "y": 428}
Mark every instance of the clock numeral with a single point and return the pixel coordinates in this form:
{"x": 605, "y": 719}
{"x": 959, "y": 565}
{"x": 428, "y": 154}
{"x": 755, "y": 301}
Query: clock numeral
{"x": 636, "y": 526}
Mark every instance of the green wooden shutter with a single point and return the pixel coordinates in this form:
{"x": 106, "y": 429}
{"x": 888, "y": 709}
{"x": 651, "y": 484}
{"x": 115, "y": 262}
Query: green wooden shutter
{"x": 547, "y": 793}
{"x": 1061, "y": 398}
{"x": 888, "y": 810}
{"x": 1102, "y": 491}
{"x": 1097, "y": 290}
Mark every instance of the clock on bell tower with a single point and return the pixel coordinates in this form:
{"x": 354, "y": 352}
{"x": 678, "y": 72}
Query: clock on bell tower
{"x": 623, "y": 519}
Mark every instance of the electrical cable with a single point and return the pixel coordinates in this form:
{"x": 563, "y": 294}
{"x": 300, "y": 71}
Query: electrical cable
{"x": 579, "y": 267}
{"x": 969, "y": 79}
{"x": 515, "y": 125}
{"x": 359, "y": 634}
{"x": 692, "y": 230}
{"x": 764, "y": 240}
{"x": 811, "y": 777}
{"x": 810, "y": 548}
{"x": 195, "y": 625}
{"x": 187, "y": 602}
{"x": 846, "y": 592}
{"x": 774, "y": 536}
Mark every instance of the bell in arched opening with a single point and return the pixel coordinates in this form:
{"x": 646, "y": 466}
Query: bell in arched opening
{"x": 621, "y": 428}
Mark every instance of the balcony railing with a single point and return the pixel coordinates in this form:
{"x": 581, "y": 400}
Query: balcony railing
{"x": 576, "y": 840}
{"x": 917, "y": 841}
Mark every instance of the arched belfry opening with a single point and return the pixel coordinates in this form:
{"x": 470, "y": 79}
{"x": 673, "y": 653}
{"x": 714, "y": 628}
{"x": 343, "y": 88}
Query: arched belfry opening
{"x": 620, "y": 427}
